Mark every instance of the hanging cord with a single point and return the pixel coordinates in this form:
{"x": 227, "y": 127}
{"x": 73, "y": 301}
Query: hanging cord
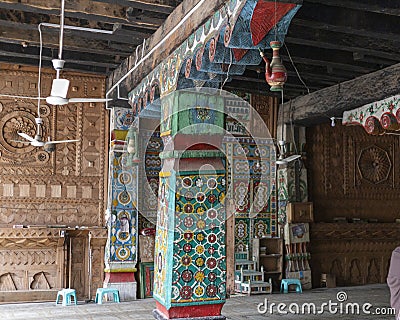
{"x": 292, "y": 127}
{"x": 229, "y": 68}
{"x": 230, "y": 51}
{"x": 283, "y": 118}
{"x": 297, "y": 71}
{"x": 40, "y": 67}
{"x": 276, "y": 30}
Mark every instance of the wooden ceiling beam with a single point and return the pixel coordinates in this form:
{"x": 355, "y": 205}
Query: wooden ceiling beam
{"x": 24, "y": 61}
{"x": 71, "y": 57}
{"x": 334, "y": 44}
{"x": 121, "y": 36}
{"x": 287, "y": 85}
{"x": 166, "y": 7}
{"x": 344, "y": 29}
{"x": 31, "y": 37}
{"x": 348, "y": 95}
{"x": 334, "y": 62}
{"x": 324, "y": 17}
{"x": 88, "y": 10}
{"x": 306, "y": 72}
{"x": 388, "y": 7}
{"x": 207, "y": 9}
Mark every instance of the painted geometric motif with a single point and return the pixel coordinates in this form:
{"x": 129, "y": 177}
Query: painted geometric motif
{"x": 242, "y": 234}
{"x": 121, "y": 118}
{"x": 199, "y": 241}
{"x": 261, "y": 228}
{"x": 122, "y": 222}
{"x": 150, "y": 171}
{"x": 163, "y": 242}
{"x": 251, "y": 175}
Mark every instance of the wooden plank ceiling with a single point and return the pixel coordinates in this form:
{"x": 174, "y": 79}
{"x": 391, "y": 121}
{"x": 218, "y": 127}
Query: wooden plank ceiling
{"x": 329, "y": 41}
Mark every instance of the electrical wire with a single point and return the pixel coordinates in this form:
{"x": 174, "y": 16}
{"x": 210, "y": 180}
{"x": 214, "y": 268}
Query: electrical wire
{"x": 292, "y": 127}
{"x": 40, "y": 67}
{"x": 229, "y": 68}
{"x": 295, "y": 68}
{"x": 275, "y": 27}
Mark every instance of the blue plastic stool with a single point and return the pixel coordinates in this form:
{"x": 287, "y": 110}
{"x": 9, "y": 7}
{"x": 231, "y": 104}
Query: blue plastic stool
{"x": 66, "y": 295}
{"x": 102, "y": 291}
{"x": 287, "y": 282}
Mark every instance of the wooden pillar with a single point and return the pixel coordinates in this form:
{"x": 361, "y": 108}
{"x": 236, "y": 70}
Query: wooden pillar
{"x": 190, "y": 258}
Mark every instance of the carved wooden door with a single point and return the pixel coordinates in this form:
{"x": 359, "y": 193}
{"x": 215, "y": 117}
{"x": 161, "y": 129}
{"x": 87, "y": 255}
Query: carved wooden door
{"x": 78, "y": 262}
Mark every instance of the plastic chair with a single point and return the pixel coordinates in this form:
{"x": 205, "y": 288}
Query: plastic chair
{"x": 102, "y": 291}
{"x": 287, "y": 282}
{"x": 66, "y": 295}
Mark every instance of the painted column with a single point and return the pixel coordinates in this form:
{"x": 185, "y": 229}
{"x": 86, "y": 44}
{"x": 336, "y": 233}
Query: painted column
{"x": 190, "y": 266}
{"x": 121, "y": 247}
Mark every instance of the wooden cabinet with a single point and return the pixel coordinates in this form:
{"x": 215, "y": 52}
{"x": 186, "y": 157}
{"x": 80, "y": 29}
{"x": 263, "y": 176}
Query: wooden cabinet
{"x": 268, "y": 253}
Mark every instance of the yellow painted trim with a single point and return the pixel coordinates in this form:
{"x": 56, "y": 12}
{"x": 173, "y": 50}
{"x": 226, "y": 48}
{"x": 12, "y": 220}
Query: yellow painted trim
{"x": 166, "y": 133}
{"x": 164, "y": 174}
{"x": 120, "y": 270}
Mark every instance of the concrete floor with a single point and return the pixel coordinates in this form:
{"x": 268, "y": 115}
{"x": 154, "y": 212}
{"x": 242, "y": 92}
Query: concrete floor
{"x": 236, "y": 308}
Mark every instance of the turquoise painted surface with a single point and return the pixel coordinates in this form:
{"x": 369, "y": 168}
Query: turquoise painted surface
{"x": 195, "y": 113}
{"x": 163, "y": 264}
{"x": 199, "y": 273}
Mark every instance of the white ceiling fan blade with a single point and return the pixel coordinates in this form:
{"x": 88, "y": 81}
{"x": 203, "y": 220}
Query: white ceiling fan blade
{"x": 19, "y": 141}
{"x": 83, "y": 100}
{"x": 20, "y": 97}
{"x": 25, "y": 136}
{"x": 56, "y": 101}
{"x": 59, "y": 88}
{"x": 292, "y": 158}
{"x": 60, "y": 141}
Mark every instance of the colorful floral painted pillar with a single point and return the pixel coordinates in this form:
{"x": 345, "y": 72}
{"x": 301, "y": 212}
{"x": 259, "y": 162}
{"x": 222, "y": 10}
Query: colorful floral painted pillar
{"x": 121, "y": 247}
{"x": 190, "y": 267}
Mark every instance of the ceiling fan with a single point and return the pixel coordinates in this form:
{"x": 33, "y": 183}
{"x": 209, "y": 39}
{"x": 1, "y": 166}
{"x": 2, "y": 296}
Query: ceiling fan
{"x": 282, "y": 152}
{"x": 283, "y": 159}
{"x": 59, "y": 88}
{"x": 37, "y": 140}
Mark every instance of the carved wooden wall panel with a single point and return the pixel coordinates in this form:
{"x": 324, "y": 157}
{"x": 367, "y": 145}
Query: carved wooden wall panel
{"x": 50, "y": 192}
{"x": 267, "y": 108}
{"x": 353, "y": 174}
{"x": 61, "y": 188}
{"x": 29, "y": 259}
{"x": 98, "y": 240}
{"x": 356, "y": 253}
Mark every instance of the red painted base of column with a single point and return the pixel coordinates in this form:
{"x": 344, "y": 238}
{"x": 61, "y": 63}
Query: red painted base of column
{"x": 199, "y": 312}
{"x": 123, "y": 281}
{"x": 119, "y": 277}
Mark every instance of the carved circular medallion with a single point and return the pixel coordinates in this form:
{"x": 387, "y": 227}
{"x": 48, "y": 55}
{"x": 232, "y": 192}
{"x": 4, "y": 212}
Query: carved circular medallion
{"x": 15, "y": 122}
{"x": 374, "y": 164}
{"x": 42, "y": 156}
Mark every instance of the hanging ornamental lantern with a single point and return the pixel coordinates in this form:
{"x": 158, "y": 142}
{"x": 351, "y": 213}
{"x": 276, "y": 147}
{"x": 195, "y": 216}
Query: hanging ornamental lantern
{"x": 275, "y": 71}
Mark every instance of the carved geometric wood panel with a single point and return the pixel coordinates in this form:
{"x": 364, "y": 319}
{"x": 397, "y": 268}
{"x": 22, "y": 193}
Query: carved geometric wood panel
{"x": 66, "y": 187}
{"x": 353, "y": 174}
{"x": 45, "y": 191}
